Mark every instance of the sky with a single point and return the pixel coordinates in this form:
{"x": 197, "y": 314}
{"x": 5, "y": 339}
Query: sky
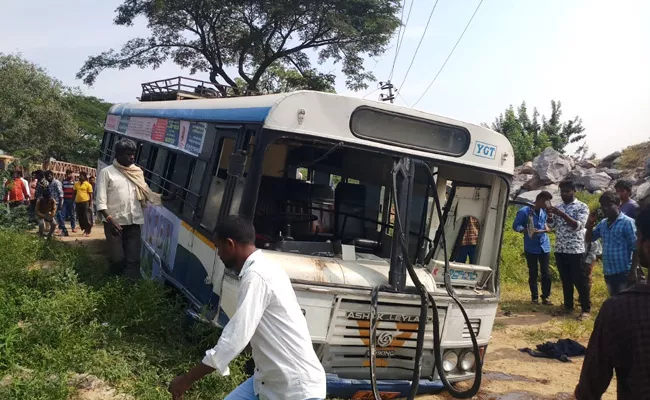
{"x": 592, "y": 55}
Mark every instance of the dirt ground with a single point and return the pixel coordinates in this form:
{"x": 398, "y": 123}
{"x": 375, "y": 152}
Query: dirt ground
{"x": 512, "y": 375}
{"x": 508, "y": 373}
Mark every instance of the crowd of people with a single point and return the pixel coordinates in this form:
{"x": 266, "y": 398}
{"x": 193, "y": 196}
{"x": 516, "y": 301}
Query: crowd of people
{"x": 51, "y": 202}
{"x": 580, "y": 240}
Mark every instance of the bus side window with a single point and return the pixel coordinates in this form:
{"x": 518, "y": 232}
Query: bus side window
{"x": 191, "y": 199}
{"x": 108, "y": 151}
{"x": 159, "y": 170}
{"x": 217, "y": 185}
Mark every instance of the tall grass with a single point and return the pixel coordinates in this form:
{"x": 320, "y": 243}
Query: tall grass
{"x": 66, "y": 316}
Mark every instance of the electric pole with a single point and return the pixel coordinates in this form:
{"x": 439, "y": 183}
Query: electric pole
{"x": 387, "y": 86}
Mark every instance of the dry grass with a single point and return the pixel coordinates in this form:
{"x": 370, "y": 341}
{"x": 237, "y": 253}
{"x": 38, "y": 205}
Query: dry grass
{"x": 634, "y": 156}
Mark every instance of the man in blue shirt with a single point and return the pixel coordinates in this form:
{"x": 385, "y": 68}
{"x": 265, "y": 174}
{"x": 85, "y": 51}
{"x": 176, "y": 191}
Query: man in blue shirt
{"x": 618, "y": 234}
{"x": 531, "y": 221}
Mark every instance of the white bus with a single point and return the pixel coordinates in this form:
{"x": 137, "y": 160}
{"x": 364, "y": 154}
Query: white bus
{"x": 321, "y": 176}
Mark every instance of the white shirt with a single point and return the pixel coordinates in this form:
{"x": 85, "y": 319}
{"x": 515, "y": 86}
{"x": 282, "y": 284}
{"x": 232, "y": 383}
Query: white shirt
{"x": 269, "y": 316}
{"x": 115, "y": 193}
{"x": 28, "y": 188}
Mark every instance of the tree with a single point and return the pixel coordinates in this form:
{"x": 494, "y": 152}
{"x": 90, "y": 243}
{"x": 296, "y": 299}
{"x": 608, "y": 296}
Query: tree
{"x": 529, "y": 138}
{"x": 257, "y": 38}
{"x": 40, "y": 118}
{"x": 89, "y": 114}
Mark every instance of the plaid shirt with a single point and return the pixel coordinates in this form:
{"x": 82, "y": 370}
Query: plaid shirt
{"x": 56, "y": 191}
{"x": 471, "y": 233}
{"x": 619, "y": 342}
{"x": 619, "y": 242}
{"x": 567, "y": 239}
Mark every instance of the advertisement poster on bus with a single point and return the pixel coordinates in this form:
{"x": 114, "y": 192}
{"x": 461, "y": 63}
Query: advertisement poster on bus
{"x": 181, "y": 135}
{"x": 161, "y": 233}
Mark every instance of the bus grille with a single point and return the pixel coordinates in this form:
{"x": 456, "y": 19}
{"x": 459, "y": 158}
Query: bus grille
{"x": 346, "y": 353}
{"x": 476, "y": 327}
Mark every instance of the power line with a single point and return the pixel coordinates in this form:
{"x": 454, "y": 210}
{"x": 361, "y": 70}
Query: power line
{"x": 419, "y": 44}
{"x": 450, "y": 54}
{"x": 401, "y": 40}
{"x": 399, "y": 32}
{"x": 374, "y": 91}
{"x": 403, "y": 99}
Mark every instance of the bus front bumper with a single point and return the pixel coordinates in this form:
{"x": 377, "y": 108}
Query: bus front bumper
{"x": 362, "y": 388}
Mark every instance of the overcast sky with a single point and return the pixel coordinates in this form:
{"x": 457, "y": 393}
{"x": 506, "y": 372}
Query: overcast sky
{"x": 592, "y": 55}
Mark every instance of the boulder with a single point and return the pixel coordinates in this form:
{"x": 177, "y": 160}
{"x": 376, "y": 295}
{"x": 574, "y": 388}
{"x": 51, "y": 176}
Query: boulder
{"x": 610, "y": 160}
{"x": 587, "y": 164}
{"x": 594, "y": 181}
{"x": 613, "y": 173}
{"x": 518, "y": 181}
{"x": 551, "y": 166}
{"x": 532, "y": 195}
{"x": 641, "y": 193}
{"x": 527, "y": 168}
{"x": 534, "y": 183}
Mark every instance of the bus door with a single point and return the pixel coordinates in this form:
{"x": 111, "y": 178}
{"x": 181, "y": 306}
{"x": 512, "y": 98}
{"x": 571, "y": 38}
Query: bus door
{"x": 202, "y": 272}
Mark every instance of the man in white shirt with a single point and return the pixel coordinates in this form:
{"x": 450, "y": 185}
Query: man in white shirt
{"x": 269, "y": 316}
{"x": 117, "y": 202}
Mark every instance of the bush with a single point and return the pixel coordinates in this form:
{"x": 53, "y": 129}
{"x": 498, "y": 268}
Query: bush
{"x": 61, "y": 314}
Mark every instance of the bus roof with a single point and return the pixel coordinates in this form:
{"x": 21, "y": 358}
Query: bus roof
{"x": 329, "y": 116}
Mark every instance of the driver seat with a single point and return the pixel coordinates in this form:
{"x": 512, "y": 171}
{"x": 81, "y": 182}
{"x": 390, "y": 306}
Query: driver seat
{"x": 350, "y": 201}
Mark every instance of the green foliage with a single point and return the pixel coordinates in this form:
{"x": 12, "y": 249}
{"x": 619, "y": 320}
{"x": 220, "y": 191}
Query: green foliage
{"x": 634, "y": 156}
{"x": 529, "y": 138}
{"x": 252, "y": 36}
{"x": 64, "y": 315}
{"x": 40, "y": 118}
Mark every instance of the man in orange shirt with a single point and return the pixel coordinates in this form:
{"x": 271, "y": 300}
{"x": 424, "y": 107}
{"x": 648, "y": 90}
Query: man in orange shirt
{"x": 16, "y": 190}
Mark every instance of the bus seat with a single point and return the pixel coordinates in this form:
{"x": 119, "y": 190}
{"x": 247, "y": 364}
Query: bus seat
{"x": 350, "y": 200}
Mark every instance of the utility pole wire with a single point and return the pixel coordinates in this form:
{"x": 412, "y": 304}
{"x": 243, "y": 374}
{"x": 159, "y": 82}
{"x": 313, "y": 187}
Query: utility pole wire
{"x": 399, "y": 32}
{"x": 374, "y": 91}
{"x": 400, "y": 41}
{"x": 450, "y": 54}
{"x": 419, "y": 44}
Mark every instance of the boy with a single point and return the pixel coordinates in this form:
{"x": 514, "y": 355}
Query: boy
{"x": 531, "y": 221}
{"x": 618, "y": 234}
{"x": 628, "y": 207}
{"x": 45, "y": 211}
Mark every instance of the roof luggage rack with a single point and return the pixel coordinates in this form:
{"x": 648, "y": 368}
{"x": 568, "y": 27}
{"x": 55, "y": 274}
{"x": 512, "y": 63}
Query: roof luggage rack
{"x": 182, "y": 88}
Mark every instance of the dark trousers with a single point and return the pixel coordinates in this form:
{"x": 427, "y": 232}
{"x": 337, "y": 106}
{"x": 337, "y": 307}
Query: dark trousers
{"x": 616, "y": 283}
{"x": 466, "y": 251}
{"x": 32, "y": 210}
{"x": 124, "y": 250}
{"x": 533, "y": 261}
{"x": 69, "y": 212}
{"x": 573, "y": 273}
{"x": 83, "y": 214}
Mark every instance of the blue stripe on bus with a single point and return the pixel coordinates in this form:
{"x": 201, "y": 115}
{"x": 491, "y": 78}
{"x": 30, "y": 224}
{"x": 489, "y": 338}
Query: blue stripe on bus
{"x": 249, "y": 114}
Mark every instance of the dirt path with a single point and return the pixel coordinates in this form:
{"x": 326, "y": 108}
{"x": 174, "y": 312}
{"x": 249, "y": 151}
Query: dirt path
{"x": 512, "y": 375}
{"x": 508, "y": 373}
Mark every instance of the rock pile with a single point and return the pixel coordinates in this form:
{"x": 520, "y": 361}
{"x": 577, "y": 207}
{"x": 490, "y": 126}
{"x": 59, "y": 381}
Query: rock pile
{"x": 550, "y": 168}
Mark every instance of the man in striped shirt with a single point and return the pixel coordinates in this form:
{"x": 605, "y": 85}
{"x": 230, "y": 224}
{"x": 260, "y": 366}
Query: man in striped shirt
{"x": 68, "y": 200}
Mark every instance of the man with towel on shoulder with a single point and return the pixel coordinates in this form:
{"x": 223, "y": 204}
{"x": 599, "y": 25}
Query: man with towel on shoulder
{"x": 122, "y": 194}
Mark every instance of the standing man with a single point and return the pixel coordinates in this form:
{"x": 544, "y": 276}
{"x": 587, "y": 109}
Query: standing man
{"x": 16, "y": 190}
{"x": 34, "y": 193}
{"x": 55, "y": 188}
{"x": 629, "y": 207}
{"x": 618, "y": 235}
{"x": 468, "y": 243}
{"x": 620, "y": 342}
{"x": 45, "y": 211}
{"x": 269, "y": 317}
{"x": 83, "y": 202}
{"x": 569, "y": 219}
{"x": 93, "y": 208}
{"x": 531, "y": 221}
{"x": 122, "y": 193}
{"x": 68, "y": 200}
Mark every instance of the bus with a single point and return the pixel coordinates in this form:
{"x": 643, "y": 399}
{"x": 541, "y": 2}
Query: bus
{"x": 366, "y": 206}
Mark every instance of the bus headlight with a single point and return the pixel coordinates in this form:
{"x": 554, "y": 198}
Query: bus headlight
{"x": 449, "y": 361}
{"x": 466, "y": 361}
